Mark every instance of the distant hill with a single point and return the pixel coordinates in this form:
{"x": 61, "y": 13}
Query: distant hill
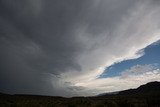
{"x": 149, "y": 88}
{"x": 152, "y": 87}
{"x": 147, "y": 95}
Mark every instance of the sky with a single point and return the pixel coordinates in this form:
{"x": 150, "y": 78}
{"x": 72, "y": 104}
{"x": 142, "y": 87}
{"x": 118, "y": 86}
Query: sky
{"x": 151, "y": 56}
{"x": 78, "y": 47}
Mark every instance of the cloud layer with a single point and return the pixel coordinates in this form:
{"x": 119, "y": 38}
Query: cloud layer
{"x": 55, "y": 47}
{"x": 131, "y": 78}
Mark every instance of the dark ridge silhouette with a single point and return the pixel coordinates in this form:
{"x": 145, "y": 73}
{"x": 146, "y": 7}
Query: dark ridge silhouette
{"x": 147, "y": 95}
{"x": 152, "y": 87}
{"x": 149, "y": 88}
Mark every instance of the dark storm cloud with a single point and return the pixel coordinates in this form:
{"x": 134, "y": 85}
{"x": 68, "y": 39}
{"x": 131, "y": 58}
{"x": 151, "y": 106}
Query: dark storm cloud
{"x": 40, "y": 32}
{"x": 35, "y": 38}
{"x": 47, "y": 30}
{"x": 38, "y": 37}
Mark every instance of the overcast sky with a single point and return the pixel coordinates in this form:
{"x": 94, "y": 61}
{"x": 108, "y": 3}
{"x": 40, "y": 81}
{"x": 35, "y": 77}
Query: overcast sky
{"x": 62, "y": 47}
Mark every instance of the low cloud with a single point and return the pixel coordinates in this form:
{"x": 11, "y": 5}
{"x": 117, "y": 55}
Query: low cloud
{"x": 139, "y": 69}
{"x": 131, "y": 78}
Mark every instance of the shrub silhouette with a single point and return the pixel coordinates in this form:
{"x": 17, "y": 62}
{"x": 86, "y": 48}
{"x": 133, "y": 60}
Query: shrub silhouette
{"x": 147, "y": 97}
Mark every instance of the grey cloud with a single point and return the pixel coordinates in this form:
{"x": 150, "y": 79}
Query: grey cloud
{"x": 48, "y": 31}
{"x": 138, "y": 70}
{"x": 38, "y": 37}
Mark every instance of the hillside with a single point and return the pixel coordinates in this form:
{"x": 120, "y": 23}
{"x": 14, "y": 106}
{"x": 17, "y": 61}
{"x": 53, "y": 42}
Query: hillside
{"x": 147, "y": 95}
{"x": 146, "y": 89}
{"x": 149, "y": 88}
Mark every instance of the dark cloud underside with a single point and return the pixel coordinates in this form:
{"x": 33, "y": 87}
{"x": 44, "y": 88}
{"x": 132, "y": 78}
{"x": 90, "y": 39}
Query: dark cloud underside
{"x": 40, "y": 37}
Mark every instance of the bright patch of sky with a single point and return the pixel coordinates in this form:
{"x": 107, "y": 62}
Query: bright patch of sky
{"x": 151, "y": 56}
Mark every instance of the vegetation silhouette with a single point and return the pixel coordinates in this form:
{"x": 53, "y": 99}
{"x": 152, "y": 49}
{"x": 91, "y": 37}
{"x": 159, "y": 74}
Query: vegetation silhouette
{"x": 147, "y": 95}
